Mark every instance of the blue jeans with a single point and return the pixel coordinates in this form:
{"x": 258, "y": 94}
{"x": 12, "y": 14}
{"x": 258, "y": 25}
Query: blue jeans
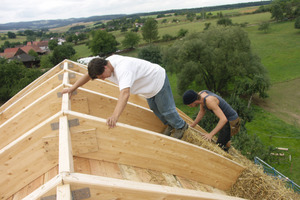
{"x": 163, "y": 106}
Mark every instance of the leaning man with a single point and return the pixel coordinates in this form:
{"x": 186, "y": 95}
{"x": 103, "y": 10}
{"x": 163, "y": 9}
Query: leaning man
{"x": 136, "y": 76}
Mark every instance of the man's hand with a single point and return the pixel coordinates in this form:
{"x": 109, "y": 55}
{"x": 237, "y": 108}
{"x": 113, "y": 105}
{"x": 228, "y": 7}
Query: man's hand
{"x": 111, "y": 122}
{"x": 192, "y": 125}
{"x": 67, "y": 90}
{"x": 208, "y": 137}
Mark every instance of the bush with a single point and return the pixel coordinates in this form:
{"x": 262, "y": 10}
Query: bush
{"x": 151, "y": 53}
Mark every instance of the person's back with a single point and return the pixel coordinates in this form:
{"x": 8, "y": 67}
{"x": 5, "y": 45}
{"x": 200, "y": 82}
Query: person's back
{"x": 141, "y": 76}
{"x": 229, "y": 112}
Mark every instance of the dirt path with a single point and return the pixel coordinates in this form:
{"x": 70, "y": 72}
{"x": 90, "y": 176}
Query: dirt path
{"x": 283, "y": 101}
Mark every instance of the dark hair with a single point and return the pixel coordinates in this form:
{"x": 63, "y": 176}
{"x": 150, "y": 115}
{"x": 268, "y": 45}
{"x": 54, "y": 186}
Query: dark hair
{"x": 189, "y": 97}
{"x": 96, "y": 67}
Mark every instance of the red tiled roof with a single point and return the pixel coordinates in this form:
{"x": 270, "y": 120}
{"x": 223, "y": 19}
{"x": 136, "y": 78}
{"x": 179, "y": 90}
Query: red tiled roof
{"x": 33, "y": 47}
{"x": 11, "y": 50}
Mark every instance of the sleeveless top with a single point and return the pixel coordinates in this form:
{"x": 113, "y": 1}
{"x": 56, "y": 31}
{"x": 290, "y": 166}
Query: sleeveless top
{"x": 228, "y": 111}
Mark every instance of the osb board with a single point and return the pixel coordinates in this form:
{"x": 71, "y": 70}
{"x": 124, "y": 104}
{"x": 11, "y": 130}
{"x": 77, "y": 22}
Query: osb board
{"x": 146, "y": 149}
{"x": 29, "y": 117}
{"x": 25, "y": 160}
{"x": 103, "y": 106}
{"x": 31, "y": 96}
{"x": 106, "y": 188}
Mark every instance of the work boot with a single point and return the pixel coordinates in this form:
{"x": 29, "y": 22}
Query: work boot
{"x": 168, "y": 130}
{"x": 179, "y": 132}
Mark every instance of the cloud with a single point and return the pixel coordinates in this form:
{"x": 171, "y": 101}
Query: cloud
{"x": 32, "y": 10}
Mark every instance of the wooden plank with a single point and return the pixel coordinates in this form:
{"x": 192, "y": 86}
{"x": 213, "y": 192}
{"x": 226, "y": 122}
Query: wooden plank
{"x": 24, "y": 160}
{"x": 107, "y": 188}
{"x": 64, "y": 192}
{"x": 66, "y": 164}
{"x": 82, "y": 165}
{"x": 84, "y": 141}
{"x": 37, "y": 111}
{"x": 103, "y": 168}
{"x": 142, "y": 148}
{"x": 103, "y": 106}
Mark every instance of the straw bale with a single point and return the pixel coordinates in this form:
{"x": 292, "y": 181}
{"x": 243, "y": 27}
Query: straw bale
{"x": 253, "y": 183}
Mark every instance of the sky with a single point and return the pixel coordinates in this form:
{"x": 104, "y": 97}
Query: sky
{"x": 33, "y": 10}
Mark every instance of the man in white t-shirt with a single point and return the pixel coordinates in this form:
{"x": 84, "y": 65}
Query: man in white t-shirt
{"x": 137, "y": 76}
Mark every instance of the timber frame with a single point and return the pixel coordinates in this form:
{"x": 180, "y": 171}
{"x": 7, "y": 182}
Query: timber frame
{"x": 52, "y": 147}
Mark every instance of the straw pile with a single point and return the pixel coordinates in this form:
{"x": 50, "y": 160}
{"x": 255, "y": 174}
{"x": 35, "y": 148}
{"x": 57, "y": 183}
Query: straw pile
{"x": 253, "y": 183}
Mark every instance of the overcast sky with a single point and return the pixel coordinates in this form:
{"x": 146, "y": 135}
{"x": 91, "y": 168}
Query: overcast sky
{"x": 32, "y": 10}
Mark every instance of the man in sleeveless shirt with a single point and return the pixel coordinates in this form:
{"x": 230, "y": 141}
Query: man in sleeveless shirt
{"x": 136, "y": 76}
{"x": 229, "y": 121}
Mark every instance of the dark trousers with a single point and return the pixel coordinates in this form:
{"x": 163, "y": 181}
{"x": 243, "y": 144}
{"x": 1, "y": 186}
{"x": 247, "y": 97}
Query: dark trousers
{"x": 224, "y": 136}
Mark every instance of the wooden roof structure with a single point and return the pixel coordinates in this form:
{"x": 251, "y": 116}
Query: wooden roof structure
{"x": 54, "y": 147}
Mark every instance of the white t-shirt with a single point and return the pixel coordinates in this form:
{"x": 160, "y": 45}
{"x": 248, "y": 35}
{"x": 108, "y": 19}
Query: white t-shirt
{"x": 142, "y": 77}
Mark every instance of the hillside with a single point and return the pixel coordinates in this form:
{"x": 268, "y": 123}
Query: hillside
{"x": 47, "y": 24}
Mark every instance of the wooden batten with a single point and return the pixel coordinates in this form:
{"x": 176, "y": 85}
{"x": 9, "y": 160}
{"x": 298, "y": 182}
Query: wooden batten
{"x": 109, "y": 188}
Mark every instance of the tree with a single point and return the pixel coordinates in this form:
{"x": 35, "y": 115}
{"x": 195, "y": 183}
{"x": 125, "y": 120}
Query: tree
{"x": 182, "y": 32}
{"x": 150, "y": 30}
{"x": 277, "y": 12}
{"x": 11, "y": 35}
{"x": 224, "y": 21}
{"x": 52, "y": 44}
{"x": 62, "y": 52}
{"x": 265, "y": 26}
{"x": 216, "y": 59}
{"x": 102, "y": 43}
{"x": 131, "y": 40}
{"x": 15, "y": 76}
{"x": 151, "y": 53}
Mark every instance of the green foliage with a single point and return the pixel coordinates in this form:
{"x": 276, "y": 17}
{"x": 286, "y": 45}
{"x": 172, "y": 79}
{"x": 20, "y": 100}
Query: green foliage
{"x": 151, "y": 53}
{"x": 46, "y": 62}
{"x": 34, "y": 54}
{"x": 182, "y": 32}
{"x": 102, "y": 43}
{"x": 251, "y": 146}
{"x": 265, "y": 26}
{"x": 297, "y": 23}
{"x": 214, "y": 59}
{"x": 131, "y": 40}
{"x": 11, "y": 35}
{"x": 224, "y": 21}
{"x": 76, "y": 28}
{"x": 52, "y": 44}
{"x": 15, "y": 76}
{"x": 150, "y": 30}
{"x": 62, "y": 52}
